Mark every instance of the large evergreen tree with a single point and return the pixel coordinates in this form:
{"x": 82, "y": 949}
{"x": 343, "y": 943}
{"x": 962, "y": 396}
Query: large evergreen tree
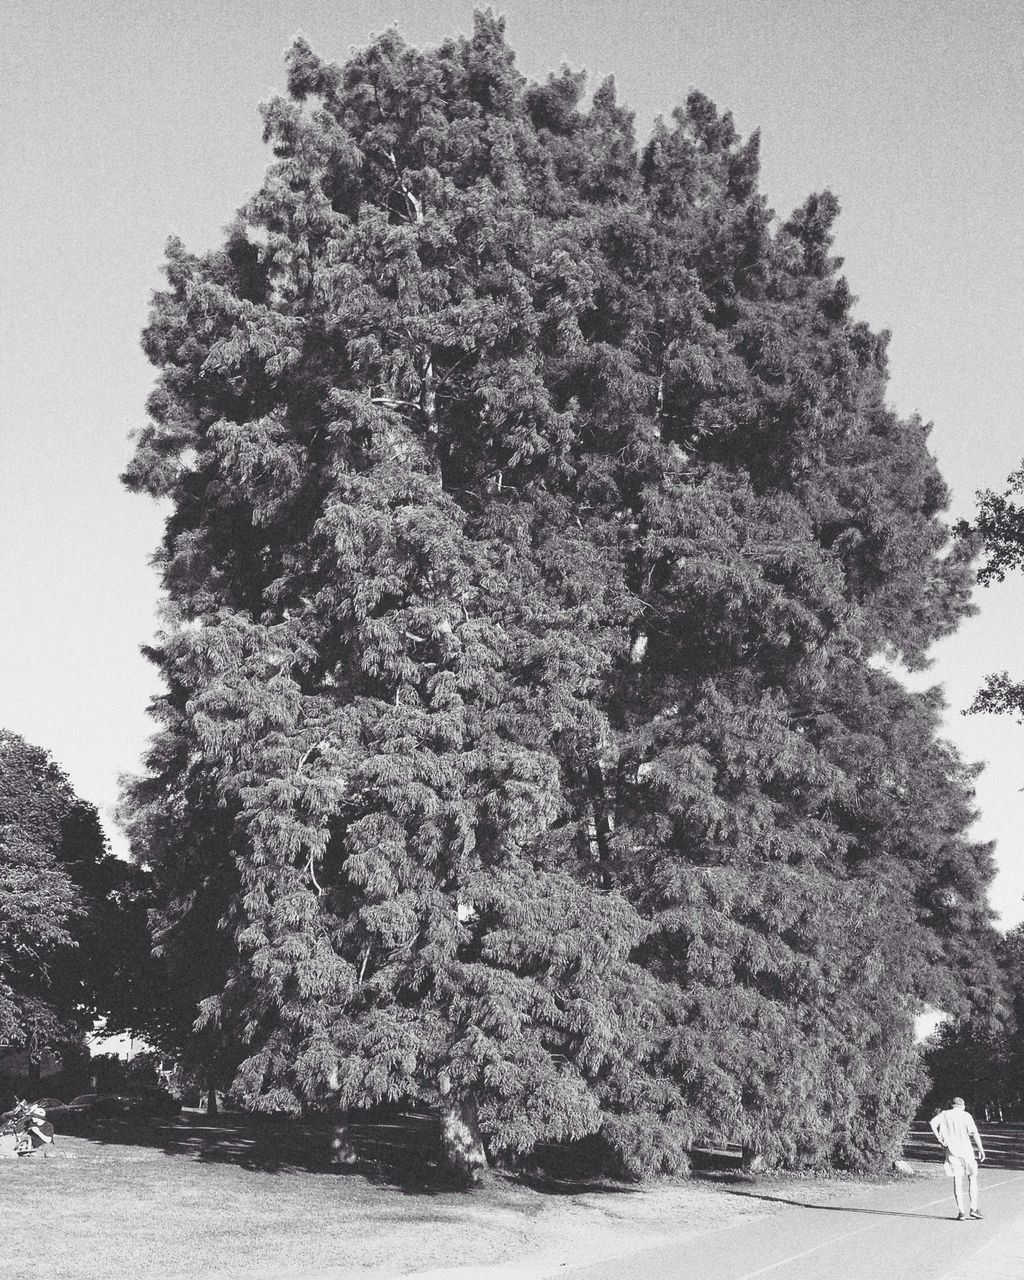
{"x": 536, "y": 518}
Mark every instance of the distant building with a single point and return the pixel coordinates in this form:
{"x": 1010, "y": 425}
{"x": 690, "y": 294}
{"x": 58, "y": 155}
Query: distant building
{"x": 28, "y": 1065}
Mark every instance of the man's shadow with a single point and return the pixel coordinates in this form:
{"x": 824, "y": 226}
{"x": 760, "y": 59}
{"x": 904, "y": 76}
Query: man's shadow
{"x": 837, "y": 1208}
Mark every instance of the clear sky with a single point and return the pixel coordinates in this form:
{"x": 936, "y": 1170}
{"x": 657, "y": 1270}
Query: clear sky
{"x": 125, "y": 121}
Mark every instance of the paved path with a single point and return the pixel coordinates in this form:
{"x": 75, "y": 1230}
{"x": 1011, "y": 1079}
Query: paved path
{"x": 901, "y": 1232}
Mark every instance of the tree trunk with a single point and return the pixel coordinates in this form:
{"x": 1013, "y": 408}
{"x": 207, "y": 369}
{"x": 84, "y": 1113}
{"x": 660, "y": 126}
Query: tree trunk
{"x": 753, "y": 1161}
{"x": 603, "y": 826}
{"x": 342, "y": 1149}
{"x": 212, "y": 1108}
{"x": 35, "y": 1055}
{"x": 461, "y": 1144}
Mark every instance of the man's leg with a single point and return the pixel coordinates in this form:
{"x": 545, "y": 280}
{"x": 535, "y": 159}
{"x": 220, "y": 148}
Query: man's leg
{"x": 972, "y": 1186}
{"x": 958, "y": 1187}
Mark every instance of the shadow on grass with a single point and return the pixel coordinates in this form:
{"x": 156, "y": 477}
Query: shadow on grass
{"x": 399, "y": 1149}
{"x": 571, "y": 1169}
{"x": 551, "y": 1185}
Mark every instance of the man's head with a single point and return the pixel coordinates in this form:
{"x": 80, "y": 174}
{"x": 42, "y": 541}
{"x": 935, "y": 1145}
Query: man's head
{"x": 958, "y": 1103}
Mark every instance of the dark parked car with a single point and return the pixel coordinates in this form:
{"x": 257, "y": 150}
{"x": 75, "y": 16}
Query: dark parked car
{"x": 143, "y": 1102}
{"x": 150, "y": 1101}
{"x": 76, "y": 1113}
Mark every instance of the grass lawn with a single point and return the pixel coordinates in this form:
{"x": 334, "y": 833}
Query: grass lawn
{"x": 198, "y": 1199}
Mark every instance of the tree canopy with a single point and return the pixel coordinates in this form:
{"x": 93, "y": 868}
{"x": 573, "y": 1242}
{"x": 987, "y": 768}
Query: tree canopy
{"x": 539, "y": 536}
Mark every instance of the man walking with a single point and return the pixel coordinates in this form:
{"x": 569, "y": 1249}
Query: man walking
{"x": 955, "y": 1130}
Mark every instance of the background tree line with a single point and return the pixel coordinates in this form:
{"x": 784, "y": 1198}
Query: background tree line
{"x": 74, "y": 934}
{"x": 982, "y": 1056}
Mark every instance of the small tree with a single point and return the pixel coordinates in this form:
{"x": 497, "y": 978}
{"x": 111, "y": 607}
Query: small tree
{"x": 50, "y": 843}
{"x": 998, "y": 530}
{"x": 75, "y": 943}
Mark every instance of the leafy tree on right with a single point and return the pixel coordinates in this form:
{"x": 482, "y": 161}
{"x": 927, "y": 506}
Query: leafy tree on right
{"x": 984, "y": 1053}
{"x": 998, "y": 530}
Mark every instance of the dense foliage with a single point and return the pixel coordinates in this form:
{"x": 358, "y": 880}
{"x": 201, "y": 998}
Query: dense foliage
{"x": 37, "y": 895}
{"x": 74, "y": 937}
{"x": 537, "y": 528}
{"x": 981, "y": 1057}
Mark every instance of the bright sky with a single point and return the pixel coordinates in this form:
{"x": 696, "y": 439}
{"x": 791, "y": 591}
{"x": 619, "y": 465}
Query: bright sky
{"x": 124, "y": 122}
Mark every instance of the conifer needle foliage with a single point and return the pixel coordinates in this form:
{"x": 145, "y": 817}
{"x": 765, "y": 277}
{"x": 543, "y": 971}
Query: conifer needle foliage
{"x": 536, "y": 523}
